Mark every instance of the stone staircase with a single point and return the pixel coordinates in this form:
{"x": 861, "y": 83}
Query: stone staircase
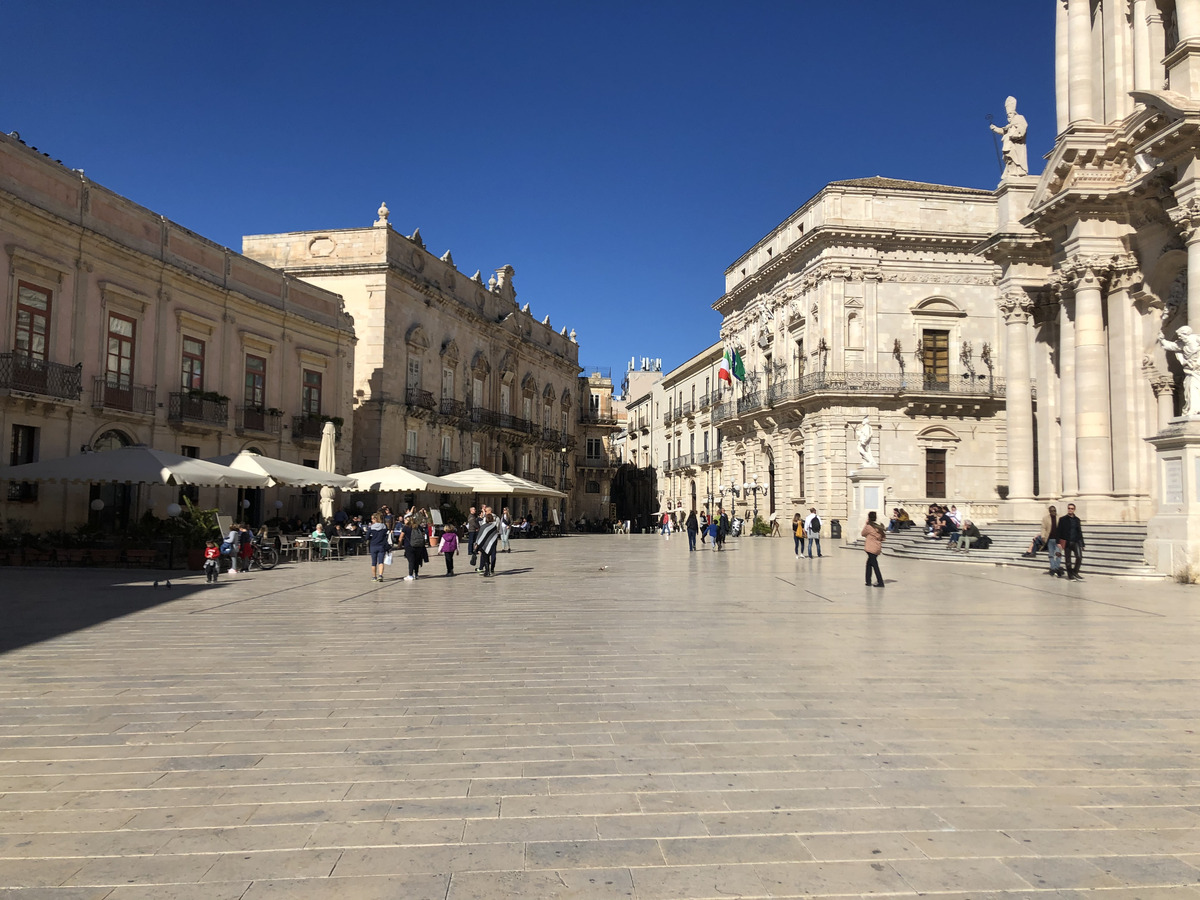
{"x": 1114, "y": 550}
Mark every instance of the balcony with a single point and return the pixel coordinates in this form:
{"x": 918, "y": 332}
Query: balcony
{"x": 750, "y": 401}
{"x": 188, "y": 407}
{"x": 686, "y": 409}
{"x": 259, "y": 420}
{"x": 550, "y": 481}
{"x": 706, "y": 400}
{"x": 595, "y": 417}
{"x": 417, "y": 399}
{"x": 130, "y": 398}
{"x": 310, "y": 427}
{"x": 603, "y": 461}
{"x": 416, "y": 463}
{"x": 19, "y": 372}
{"x": 723, "y": 412}
{"x": 510, "y": 422}
{"x": 455, "y": 408}
{"x": 446, "y": 466}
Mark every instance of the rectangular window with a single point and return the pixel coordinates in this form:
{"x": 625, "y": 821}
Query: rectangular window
{"x": 447, "y": 445}
{"x": 800, "y": 474}
{"x": 505, "y": 400}
{"x": 477, "y": 393}
{"x": 706, "y": 442}
{"x": 475, "y": 454}
{"x": 594, "y": 403}
{"x": 414, "y": 373}
{"x": 595, "y": 448}
{"x": 193, "y": 364}
{"x": 447, "y": 383}
{"x": 935, "y": 346}
{"x": 411, "y": 446}
{"x": 527, "y": 409}
{"x": 24, "y": 450}
{"x": 935, "y": 473}
{"x": 256, "y": 382}
{"x": 310, "y": 393}
{"x": 118, "y": 364}
{"x": 33, "y": 321}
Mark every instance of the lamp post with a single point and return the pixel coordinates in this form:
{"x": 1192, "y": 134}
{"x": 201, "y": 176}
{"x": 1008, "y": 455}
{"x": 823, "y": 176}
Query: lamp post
{"x": 753, "y": 487}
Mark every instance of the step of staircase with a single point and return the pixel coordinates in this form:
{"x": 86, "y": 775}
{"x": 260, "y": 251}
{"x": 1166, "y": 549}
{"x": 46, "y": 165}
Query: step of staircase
{"x": 1112, "y": 550}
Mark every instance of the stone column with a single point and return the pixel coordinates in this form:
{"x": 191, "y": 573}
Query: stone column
{"x": 1093, "y": 413}
{"x": 1016, "y": 306}
{"x": 1062, "y": 58}
{"x": 1164, "y": 396}
{"x": 1141, "y": 48}
{"x": 1069, "y": 473}
{"x": 1187, "y": 217}
{"x": 1183, "y": 63}
{"x": 1124, "y": 379}
{"x": 1049, "y": 393}
{"x": 1187, "y": 12}
{"x": 1079, "y": 71}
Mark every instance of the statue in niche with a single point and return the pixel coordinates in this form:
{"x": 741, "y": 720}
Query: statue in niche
{"x": 863, "y": 433}
{"x": 1012, "y": 138}
{"x": 1186, "y": 348}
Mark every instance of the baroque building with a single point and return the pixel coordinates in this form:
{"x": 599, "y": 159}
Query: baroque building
{"x": 122, "y": 327}
{"x": 866, "y": 305}
{"x": 597, "y": 461}
{"x": 449, "y": 372}
{"x": 1100, "y": 264}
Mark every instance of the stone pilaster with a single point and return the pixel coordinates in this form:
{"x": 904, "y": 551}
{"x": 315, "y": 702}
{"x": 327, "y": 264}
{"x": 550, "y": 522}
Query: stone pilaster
{"x": 1164, "y": 396}
{"x": 1016, "y": 306}
{"x": 1069, "y": 465}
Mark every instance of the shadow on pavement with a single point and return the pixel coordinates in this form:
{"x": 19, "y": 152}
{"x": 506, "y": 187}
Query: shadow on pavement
{"x": 50, "y": 603}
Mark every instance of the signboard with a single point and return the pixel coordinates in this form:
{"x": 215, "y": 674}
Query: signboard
{"x": 1173, "y": 481}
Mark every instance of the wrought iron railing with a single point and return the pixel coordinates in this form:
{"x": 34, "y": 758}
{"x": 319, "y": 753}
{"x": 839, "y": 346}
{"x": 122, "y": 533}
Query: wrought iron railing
{"x": 456, "y": 408}
{"x": 263, "y": 421}
{"x": 111, "y": 394}
{"x": 603, "y": 461}
{"x": 420, "y": 399}
{"x": 597, "y": 418}
{"x": 750, "y": 401}
{"x": 705, "y": 401}
{"x": 550, "y": 481}
{"x": 446, "y": 466}
{"x": 723, "y": 412}
{"x": 308, "y": 428}
{"x": 19, "y": 372}
{"x": 686, "y": 409}
{"x": 183, "y": 406}
{"x": 417, "y": 463}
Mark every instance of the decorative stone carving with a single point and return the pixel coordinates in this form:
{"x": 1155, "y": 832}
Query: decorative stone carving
{"x": 1186, "y": 218}
{"x": 863, "y": 434}
{"x": 1016, "y": 160}
{"x": 1016, "y": 306}
{"x": 1186, "y": 348}
{"x": 382, "y": 221}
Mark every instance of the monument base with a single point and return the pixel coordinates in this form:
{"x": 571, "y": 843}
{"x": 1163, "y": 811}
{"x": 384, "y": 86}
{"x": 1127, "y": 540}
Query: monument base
{"x": 867, "y": 493}
{"x": 1173, "y": 532}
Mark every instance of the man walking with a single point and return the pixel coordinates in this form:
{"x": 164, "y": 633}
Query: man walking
{"x": 1070, "y": 536}
{"x": 812, "y": 531}
{"x": 1049, "y": 535}
{"x": 472, "y": 533}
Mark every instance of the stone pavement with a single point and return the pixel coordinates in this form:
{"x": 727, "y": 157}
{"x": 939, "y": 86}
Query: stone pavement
{"x": 676, "y": 725}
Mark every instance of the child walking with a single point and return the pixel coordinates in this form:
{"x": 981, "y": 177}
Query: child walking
{"x": 212, "y": 562}
{"x": 448, "y": 547}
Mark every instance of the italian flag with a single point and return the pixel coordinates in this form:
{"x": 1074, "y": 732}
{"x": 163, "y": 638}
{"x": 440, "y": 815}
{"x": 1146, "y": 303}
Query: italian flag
{"x": 731, "y": 367}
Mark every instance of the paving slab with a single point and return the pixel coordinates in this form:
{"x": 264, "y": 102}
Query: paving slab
{"x": 612, "y": 717}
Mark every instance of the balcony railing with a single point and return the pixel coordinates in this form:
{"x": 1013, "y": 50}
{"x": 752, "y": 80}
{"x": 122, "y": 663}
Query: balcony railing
{"x": 723, "y": 412}
{"x": 446, "y": 466}
{"x": 456, "y": 408}
{"x": 19, "y": 372}
{"x": 598, "y": 418}
{"x": 416, "y": 463}
{"x": 419, "y": 399}
{"x": 603, "y": 461}
{"x": 257, "y": 419}
{"x": 309, "y": 428}
{"x": 750, "y": 401}
{"x": 514, "y": 423}
{"x": 686, "y": 409}
{"x": 131, "y": 398}
{"x": 550, "y": 481}
{"x": 183, "y": 406}
{"x": 705, "y": 401}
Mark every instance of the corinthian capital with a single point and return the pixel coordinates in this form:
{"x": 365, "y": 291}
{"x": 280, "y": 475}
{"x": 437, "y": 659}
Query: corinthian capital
{"x": 1186, "y": 218}
{"x": 1126, "y": 273}
{"x": 1016, "y": 306}
{"x": 1088, "y": 270}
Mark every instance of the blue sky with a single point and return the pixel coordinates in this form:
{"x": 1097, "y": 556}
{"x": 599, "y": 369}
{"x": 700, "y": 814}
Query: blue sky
{"x": 619, "y": 155}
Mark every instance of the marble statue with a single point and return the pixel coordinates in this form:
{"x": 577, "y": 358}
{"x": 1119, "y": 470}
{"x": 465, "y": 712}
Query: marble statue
{"x": 1016, "y": 159}
{"x": 864, "y": 433}
{"x": 1186, "y": 348}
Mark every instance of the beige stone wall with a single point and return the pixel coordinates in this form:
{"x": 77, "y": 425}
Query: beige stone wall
{"x": 96, "y": 254}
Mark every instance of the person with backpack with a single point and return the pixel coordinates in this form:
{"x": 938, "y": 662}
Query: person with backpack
{"x": 414, "y": 539}
{"x": 812, "y": 531}
{"x": 798, "y": 533}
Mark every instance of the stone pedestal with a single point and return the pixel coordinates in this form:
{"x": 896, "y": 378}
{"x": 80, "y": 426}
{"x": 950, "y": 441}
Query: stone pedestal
{"x": 867, "y": 492}
{"x": 1173, "y": 533}
{"x": 1012, "y": 202}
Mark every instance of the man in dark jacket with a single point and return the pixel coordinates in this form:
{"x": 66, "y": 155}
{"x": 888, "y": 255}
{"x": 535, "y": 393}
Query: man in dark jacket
{"x": 1070, "y": 537}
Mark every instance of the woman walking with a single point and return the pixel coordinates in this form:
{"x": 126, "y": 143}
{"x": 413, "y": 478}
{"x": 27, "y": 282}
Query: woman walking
{"x": 485, "y": 544}
{"x": 873, "y": 535}
{"x": 693, "y": 525}
{"x": 798, "y": 532}
{"x": 413, "y": 541}
{"x": 506, "y": 524}
{"x": 379, "y": 541}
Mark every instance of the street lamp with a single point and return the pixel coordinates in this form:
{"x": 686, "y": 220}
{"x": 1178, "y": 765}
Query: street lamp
{"x": 753, "y": 487}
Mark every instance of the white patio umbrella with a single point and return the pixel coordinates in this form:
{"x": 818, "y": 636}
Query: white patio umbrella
{"x": 531, "y": 488}
{"x": 400, "y": 479}
{"x": 327, "y": 462}
{"x": 481, "y": 481}
{"x": 133, "y": 465}
{"x": 281, "y": 472}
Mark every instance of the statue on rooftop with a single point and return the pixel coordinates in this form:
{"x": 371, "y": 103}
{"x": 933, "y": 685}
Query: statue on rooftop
{"x": 1016, "y": 158}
